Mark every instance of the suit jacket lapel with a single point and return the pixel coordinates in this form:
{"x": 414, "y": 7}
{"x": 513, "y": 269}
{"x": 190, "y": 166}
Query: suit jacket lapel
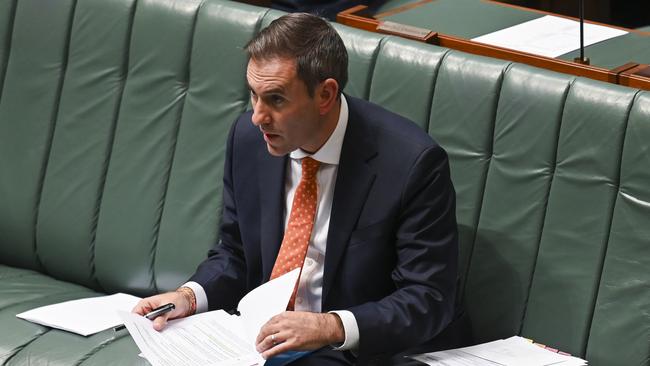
{"x": 354, "y": 179}
{"x": 271, "y": 191}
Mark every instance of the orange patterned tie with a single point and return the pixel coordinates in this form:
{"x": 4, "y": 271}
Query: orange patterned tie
{"x": 301, "y": 221}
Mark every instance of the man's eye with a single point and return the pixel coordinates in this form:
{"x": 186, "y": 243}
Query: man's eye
{"x": 276, "y": 99}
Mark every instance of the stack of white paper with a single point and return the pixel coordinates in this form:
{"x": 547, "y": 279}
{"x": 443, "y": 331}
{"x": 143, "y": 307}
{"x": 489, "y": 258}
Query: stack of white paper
{"x": 84, "y": 316}
{"x": 214, "y": 337}
{"x": 548, "y": 36}
{"x": 514, "y": 351}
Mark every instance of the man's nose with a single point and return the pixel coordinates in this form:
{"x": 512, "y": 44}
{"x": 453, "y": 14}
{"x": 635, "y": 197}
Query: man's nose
{"x": 260, "y": 114}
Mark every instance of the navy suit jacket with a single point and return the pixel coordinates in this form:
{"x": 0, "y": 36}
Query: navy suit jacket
{"x": 392, "y": 250}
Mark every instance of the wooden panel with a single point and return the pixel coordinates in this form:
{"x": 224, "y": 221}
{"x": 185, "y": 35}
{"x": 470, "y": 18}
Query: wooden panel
{"x": 636, "y": 77}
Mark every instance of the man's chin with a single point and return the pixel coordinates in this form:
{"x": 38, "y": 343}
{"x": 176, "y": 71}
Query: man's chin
{"x": 276, "y": 151}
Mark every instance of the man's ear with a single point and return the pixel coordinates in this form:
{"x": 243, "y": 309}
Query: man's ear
{"x": 328, "y": 94}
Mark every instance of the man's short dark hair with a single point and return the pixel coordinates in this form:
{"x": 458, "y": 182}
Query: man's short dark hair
{"x": 311, "y": 41}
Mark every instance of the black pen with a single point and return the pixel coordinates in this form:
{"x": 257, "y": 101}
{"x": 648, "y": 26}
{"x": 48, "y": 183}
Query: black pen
{"x": 153, "y": 314}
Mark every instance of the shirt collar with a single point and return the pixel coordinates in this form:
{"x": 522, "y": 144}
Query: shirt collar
{"x": 330, "y": 152}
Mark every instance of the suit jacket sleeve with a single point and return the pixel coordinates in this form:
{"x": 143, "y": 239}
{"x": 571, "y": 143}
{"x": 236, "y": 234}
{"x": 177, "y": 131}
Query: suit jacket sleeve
{"x": 427, "y": 260}
{"x": 222, "y": 274}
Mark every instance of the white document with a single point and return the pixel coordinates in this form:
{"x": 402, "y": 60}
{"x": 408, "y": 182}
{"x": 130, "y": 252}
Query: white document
{"x": 514, "y": 351}
{"x": 84, "y": 316}
{"x": 548, "y": 36}
{"x": 266, "y": 301}
{"x": 216, "y": 337}
{"x": 453, "y": 357}
{"x": 213, "y": 338}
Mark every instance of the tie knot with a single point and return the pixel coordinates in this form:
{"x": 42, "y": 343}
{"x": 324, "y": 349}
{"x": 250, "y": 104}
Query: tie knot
{"x": 309, "y": 168}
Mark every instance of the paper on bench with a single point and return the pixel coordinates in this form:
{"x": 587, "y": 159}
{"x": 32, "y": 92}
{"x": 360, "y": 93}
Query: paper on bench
{"x": 514, "y": 351}
{"x": 84, "y": 316}
{"x": 209, "y": 338}
{"x": 548, "y": 36}
{"x": 214, "y": 337}
{"x": 452, "y": 357}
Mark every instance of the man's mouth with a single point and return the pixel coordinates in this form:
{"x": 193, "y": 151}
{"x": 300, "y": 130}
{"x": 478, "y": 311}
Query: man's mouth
{"x": 268, "y": 137}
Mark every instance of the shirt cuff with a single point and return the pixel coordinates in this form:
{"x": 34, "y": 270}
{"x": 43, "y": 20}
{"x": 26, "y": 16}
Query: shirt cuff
{"x": 201, "y": 297}
{"x": 351, "y": 329}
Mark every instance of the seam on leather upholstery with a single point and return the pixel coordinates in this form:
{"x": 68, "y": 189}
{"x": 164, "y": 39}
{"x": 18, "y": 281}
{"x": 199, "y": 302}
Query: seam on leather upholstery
{"x": 5, "y": 60}
{"x": 99, "y": 347}
{"x": 260, "y": 21}
{"x": 477, "y": 218}
{"x": 603, "y": 255}
{"x": 40, "y": 297}
{"x": 50, "y": 134}
{"x": 110, "y": 145}
{"x": 545, "y": 209}
{"x": 432, "y": 90}
{"x": 19, "y": 349}
{"x": 19, "y": 276}
{"x": 373, "y": 62}
{"x": 245, "y": 99}
{"x": 172, "y": 153}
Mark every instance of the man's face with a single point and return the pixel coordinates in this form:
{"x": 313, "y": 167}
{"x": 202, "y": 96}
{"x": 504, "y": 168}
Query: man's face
{"x": 282, "y": 108}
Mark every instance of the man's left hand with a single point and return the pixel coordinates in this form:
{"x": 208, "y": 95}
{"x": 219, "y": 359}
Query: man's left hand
{"x": 299, "y": 331}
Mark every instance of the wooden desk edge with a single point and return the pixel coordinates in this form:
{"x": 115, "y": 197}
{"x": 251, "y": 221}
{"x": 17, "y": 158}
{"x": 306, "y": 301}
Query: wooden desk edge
{"x": 636, "y": 77}
{"x": 566, "y": 67}
{"x": 349, "y": 17}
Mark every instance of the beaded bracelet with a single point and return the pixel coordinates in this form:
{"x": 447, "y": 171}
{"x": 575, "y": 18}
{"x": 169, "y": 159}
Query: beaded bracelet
{"x": 189, "y": 295}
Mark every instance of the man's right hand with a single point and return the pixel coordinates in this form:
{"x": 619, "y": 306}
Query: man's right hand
{"x": 181, "y": 301}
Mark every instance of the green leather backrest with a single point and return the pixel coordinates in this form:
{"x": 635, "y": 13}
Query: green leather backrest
{"x": 408, "y": 91}
{"x": 113, "y": 120}
{"x": 113, "y": 117}
{"x": 91, "y": 94}
{"x": 28, "y": 106}
{"x": 7, "y": 9}
{"x": 462, "y": 119}
{"x": 574, "y": 239}
{"x": 512, "y": 213}
{"x": 620, "y": 324}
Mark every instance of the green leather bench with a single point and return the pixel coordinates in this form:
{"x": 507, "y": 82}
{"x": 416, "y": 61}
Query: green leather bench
{"x": 113, "y": 118}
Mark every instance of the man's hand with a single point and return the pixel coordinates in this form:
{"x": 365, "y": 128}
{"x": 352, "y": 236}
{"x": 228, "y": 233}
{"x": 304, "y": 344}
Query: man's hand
{"x": 299, "y": 331}
{"x": 179, "y": 299}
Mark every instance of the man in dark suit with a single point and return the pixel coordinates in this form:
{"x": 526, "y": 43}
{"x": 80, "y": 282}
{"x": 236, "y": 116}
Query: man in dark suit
{"x": 357, "y": 197}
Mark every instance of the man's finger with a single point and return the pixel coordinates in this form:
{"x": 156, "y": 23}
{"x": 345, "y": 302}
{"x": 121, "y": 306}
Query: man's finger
{"x": 142, "y": 307}
{"x": 266, "y": 330}
{"x": 160, "y": 322}
{"x": 268, "y": 342}
{"x": 276, "y": 350}
{"x": 262, "y": 335}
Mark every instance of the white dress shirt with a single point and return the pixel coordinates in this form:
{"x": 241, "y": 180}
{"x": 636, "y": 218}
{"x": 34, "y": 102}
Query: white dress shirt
{"x": 310, "y": 285}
